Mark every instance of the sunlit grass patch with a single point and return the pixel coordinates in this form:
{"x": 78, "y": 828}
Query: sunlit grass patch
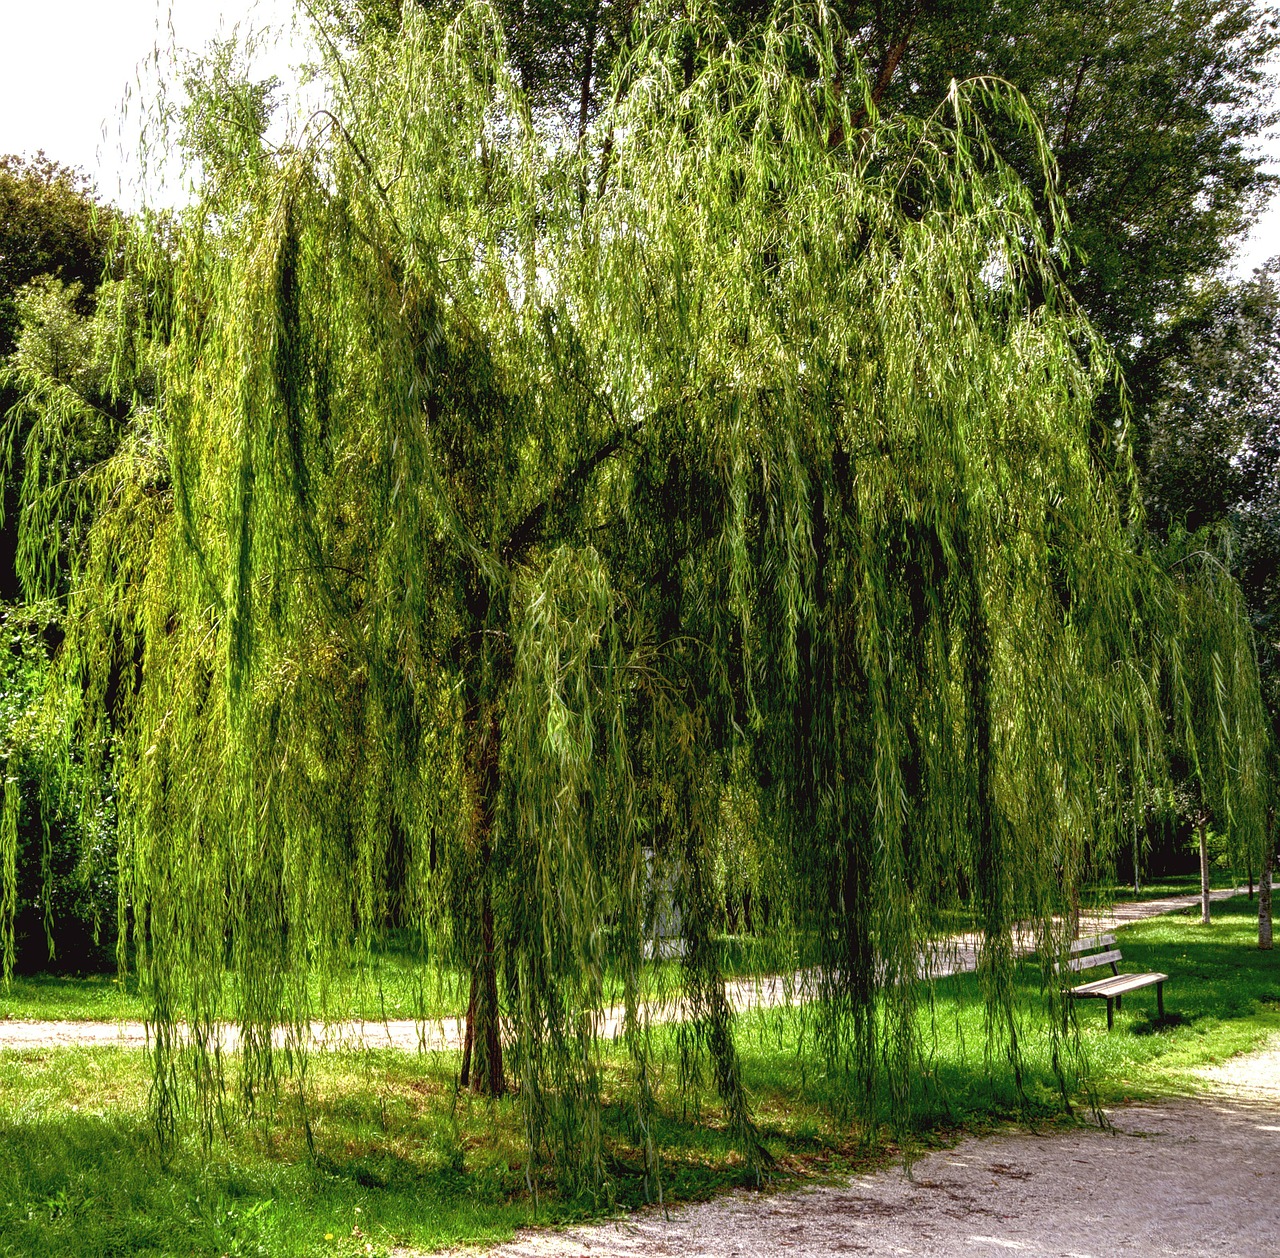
{"x": 392, "y": 983}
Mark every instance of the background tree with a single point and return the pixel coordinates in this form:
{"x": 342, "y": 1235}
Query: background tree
{"x": 1154, "y": 109}
{"x": 83, "y": 384}
{"x": 51, "y": 225}
{"x": 58, "y": 347}
{"x": 1209, "y": 437}
{"x": 563, "y": 52}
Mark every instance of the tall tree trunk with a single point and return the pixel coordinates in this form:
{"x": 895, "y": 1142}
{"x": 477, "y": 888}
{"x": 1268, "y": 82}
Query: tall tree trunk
{"x": 482, "y": 1045}
{"x": 468, "y": 1039}
{"x": 1202, "y": 825}
{"x": 1264, "y": 900}
{"x": 1264, "y": 888}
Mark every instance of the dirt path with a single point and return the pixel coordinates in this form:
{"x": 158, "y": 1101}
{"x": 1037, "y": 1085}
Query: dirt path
{"x": 952, "y": 956}
{"x": 1191, "y": 1177}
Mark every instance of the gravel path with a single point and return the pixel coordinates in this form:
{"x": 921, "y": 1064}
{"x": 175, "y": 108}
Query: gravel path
{"x": 1199, "y": 1176}
{"x": 952, "y": 956}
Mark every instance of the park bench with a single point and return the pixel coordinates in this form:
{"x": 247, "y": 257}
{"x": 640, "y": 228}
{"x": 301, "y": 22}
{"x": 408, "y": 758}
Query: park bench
{"x": 1097, "y": 950}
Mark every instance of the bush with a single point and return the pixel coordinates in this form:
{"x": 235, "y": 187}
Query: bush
{"x": 64, "y": 908}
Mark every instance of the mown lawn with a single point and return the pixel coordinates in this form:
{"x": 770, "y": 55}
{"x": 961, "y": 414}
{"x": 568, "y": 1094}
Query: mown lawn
{"x": 1159, "y": 888}
{"x": 392, "y": 984}
{"x": 400, "y": 1158}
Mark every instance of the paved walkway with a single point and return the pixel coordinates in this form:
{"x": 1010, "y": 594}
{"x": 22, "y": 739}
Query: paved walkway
{"x": 958, "y": 954}
{"x": 954, "y": 955}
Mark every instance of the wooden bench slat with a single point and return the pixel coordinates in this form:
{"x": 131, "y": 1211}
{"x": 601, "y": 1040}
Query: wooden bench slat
{"x": 1091, "y": 989}
{"x": 1118, "y": 984}
{"x": 1094, "y": 941}
{"x": 1101, "y": 958}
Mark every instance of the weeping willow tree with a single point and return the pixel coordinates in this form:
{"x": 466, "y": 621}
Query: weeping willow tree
{"x": 1219, "y": 741}
{"x": 530, "y": 501}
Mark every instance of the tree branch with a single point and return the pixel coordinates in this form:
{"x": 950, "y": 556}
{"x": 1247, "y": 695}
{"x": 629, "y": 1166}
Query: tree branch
{"x": 1071, "y": 104}
{"x": 888, "y": 68}
{"x": 530, "y": 529}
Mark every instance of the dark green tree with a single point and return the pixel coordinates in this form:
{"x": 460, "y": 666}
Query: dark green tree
{"x": 563, "y": 52}
{"x": 58, "y": 361}
{"x": 84, "y": 386}
{"x": 1209, "y": 438}
{"x": 51, "y": 223}
{"x": 1154, "y": 110}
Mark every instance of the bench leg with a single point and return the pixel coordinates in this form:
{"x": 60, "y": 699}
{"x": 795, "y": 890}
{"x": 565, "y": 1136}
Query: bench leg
{"x": 1160, "y": 999}
{"x": 1111, "y": 1017}
{"x": 1119, "y": 1002}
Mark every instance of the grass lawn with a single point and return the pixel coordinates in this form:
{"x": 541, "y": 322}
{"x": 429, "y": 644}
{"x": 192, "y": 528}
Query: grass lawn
{"x": 392, "y": 986}
{"x": 401, "y": 1159}
{"x": 1159, "y": 888}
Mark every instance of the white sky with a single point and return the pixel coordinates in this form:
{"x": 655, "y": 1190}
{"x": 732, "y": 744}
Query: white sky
{"x": 67, "y": 67}
{"x": 72, "y": 72}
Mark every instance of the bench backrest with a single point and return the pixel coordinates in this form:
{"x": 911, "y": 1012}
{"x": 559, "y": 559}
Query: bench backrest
{"x": 1094, "y": 951}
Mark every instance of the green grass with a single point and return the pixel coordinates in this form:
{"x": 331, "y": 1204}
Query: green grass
{"x": 392, "y": 986}
{"x": 80, "y": 1173}
{"x": 401, "y": 1159}
{"x": 1222, "y": 998}
{"x": 1159, "y": 888}
{"x": 91, "y": 997}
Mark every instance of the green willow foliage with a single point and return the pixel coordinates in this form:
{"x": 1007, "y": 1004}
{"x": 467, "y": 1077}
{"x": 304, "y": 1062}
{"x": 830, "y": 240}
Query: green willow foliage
{"x": 538, "y": 510}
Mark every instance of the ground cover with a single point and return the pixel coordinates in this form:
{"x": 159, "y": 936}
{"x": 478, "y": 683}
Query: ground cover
{"x": 1111, "y": 891}
{"x": 391, "y": 984}
{"x": 400, "y": 1157}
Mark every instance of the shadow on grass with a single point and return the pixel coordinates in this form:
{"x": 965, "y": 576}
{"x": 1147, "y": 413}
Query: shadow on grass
{"x": 400, "y": 1159}
{"x": 75, "y": 1188}
{"x": 1144, "y": 1024}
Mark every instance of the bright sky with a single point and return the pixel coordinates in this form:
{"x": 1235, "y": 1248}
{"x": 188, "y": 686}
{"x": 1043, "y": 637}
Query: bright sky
{"x": 71, "y": 72}
{"x": 67, "y": 67}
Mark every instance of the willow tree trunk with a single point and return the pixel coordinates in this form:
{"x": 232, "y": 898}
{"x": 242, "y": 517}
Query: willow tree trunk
{"x": 1264, "y": 892}
{"x": 992, "y": 888}
{"x": 1204, "y": 872}
{"x": 482, "y": 1068}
